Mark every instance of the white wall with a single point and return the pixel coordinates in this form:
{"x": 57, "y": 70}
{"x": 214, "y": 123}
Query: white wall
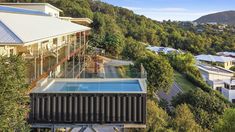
{"x": 52, "y": 12}
{"x": 229, "y": 94}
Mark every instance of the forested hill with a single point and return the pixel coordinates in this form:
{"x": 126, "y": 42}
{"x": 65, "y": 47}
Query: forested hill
{"x": 116, "y": 28}
{"x": 226, "y": 17}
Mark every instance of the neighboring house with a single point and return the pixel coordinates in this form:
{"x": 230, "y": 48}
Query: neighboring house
{"x": 229, "y": 90}
{"x": 226, "y": 62}
{"x": 214, "y": 76}
{"x": 47, "y": 43}
{"x": 227, "y": 54}
{"x": 165, "y": 50}
{"x": 219, "y": 79}
{"x": 42, "y": 7}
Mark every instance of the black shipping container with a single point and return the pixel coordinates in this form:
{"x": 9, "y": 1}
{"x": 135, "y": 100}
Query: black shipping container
{"x": 88, "y": 108}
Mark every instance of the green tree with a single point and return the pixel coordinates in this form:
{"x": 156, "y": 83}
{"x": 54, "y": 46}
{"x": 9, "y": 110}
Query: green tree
{"x": 160, "y": 73}
{"x": 157, "y": 118}
{"x": 133, "y": 49}
{"x": 207, "y": 107}
{"x": 184, "y": 120}
{"x": 13, "y": 100}
{"x": 113, "y": 44}
{"x": 227, "y": 121}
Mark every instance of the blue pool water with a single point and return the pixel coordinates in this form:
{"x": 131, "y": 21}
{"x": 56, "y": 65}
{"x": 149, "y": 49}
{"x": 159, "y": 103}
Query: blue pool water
{"x": 112, "y": 86}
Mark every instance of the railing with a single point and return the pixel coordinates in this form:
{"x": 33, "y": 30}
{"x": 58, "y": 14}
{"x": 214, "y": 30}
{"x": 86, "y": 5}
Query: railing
{"x": 46, "y": 74}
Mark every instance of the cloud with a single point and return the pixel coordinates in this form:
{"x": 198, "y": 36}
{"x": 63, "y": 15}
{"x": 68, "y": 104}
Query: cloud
{"x": 171, "y": 13}
{"x": 170, "y": 9}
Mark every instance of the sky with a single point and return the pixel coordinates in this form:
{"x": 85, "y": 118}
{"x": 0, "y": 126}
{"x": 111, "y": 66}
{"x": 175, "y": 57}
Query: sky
{"x": 179, "y": 10}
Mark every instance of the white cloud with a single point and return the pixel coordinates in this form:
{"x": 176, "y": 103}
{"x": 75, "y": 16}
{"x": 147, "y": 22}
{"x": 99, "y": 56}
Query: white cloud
{"x": 172, "y": 13}
{"x": 170, "y": 9}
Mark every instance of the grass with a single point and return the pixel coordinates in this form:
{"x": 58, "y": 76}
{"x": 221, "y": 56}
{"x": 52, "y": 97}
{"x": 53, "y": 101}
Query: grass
{"x": 183, "y": 82}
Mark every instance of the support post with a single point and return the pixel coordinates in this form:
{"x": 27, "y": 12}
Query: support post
{"x": 84, "y": 56}
{"x": 35, "y": 67}
{"x": 74, "y": 58}
{"x": 41, "y": 60}
{"x": 79, "y": 54}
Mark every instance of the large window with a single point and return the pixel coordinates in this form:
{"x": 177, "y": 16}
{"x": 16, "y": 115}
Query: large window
{"x": 233, "y": 100}
{"x": 55, "y": 41}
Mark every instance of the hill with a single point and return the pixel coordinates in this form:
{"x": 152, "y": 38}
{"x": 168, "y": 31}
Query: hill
{"x": 226, "y": 17}
{"x": 120, "y": 31}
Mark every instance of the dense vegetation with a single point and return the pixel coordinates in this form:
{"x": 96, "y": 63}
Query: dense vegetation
{"x": 13, "y": 102}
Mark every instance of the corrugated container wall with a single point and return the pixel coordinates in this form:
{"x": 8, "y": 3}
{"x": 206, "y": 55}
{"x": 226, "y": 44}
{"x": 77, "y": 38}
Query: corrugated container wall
{"x": 88, "y": 108}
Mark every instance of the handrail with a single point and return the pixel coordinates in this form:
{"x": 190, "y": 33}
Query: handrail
{"x": 46, "y": 74}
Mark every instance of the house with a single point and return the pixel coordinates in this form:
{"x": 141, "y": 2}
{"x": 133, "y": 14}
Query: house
{"x": 227, "y": 54}
{"x": 214, "y": 76}
{"x": 42, "y": 7}
{"x": 47, "y": 43}
{"x": 219, "y": 79}
{"x": 165, "y": 50}
{"x": 226, "y": 62}
{"x": 229, "y": 90}
{"x": 53, "y": 49}
{"x": 48, "y": 9}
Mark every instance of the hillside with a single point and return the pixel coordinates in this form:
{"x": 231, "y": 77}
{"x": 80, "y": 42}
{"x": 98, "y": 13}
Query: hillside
{"x": 121, "y": 32}
{"x": 226, "y": 17}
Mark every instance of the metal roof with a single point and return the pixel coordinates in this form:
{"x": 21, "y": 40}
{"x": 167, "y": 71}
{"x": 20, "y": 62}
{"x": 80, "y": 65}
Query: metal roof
{"x": 21, "y": 11}
{"x": 30, "y": 28}
{"x": 213, "y": 58}
{"x": 7, "y": 36}
{"x": 32, "y": 4}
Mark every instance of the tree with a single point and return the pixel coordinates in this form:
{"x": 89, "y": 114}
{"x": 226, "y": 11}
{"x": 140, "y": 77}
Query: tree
{"x": 113, "y": 44}
{"x": 206, "y": 107}
{"x": 226, "y": 122}
{"x": 184, "y": 120}
{"x": 13, "y": 102}
{"x": 160, "y": 73}
{"x": 133, "y": 49}
{"x": 157, "y": 118}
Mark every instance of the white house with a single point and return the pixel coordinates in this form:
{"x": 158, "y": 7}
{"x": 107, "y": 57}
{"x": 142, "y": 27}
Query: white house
{"x": 214, "y": 76}
{"x": 222, "y": 61}
{"x": 164, "y": 50}
{"x": 42, "y": 7}
{"x": 47, "y": 43}
{"x": 229, "y": 90}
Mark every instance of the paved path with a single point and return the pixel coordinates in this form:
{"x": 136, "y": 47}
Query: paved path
{"x": 173, "y": 92}
{"x": 110, "y": 66}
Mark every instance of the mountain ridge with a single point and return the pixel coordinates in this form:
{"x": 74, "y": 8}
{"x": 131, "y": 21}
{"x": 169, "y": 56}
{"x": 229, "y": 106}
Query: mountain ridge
{"x": 224, "y": 17}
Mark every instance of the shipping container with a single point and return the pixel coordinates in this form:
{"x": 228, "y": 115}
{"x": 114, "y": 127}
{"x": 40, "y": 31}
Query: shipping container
{"x": 87, "y": 107}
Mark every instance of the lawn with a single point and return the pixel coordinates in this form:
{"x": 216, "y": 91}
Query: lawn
{"x": 183, "y": 82}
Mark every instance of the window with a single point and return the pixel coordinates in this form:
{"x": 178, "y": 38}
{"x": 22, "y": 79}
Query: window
{"x": 218, "y": 89}
{"x": 11, "y": 52}
{"x": 233, "y": 100}
{"x": 63, "y": 38}
{"x": 55, "y": 41}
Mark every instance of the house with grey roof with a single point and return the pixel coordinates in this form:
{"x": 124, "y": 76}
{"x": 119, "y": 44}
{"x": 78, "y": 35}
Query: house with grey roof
{"x": 222, "y": 61}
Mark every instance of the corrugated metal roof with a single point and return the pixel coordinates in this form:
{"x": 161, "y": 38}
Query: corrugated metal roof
{"x": 213, "y": 58}
{"x": 7, "y": 36}
{"x": 20, "y": 10}
{"x": 30, "y": 28}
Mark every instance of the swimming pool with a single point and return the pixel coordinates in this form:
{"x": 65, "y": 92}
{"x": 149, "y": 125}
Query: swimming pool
{"x": 95, "y": 86}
